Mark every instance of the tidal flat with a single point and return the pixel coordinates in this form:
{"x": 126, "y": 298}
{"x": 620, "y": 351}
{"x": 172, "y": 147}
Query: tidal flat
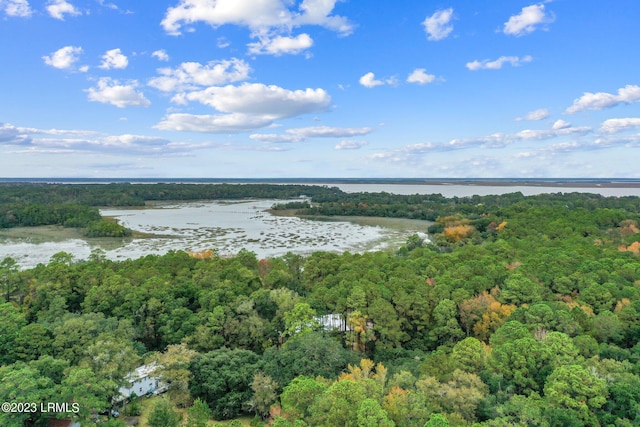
{"x": 224, "y": 226}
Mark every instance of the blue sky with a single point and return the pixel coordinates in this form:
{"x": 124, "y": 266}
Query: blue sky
{"x": 319, "y": 88}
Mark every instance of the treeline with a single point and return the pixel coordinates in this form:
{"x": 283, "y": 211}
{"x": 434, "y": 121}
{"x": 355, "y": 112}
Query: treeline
{"x": 532, "y": 320}
{"x": 125, "y": 194}
{"x": 33, "y": 214}
{"x": 431, "y": 206}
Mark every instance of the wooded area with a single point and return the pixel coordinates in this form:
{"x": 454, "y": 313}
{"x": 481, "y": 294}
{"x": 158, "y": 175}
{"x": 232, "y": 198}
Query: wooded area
{"x": 520, "y": 311}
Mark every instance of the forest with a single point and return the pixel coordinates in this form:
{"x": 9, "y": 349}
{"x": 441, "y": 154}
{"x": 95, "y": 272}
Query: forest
{"x": 518, "y": 311}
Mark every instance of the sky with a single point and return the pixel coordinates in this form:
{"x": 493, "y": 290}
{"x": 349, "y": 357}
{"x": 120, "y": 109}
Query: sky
{"x": 319, "y": 89}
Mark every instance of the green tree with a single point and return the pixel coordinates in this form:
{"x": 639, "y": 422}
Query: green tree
{"x": 469, "y": 355}
{"x": 173, "y": 367}
{"x": 312, "y": 354}
{"x": 437, "y": 420}
{"x": 11, "y": 322}
{"x": 198, "y": 414}
{"x": 371, "y": 414}
{"x": 446, "y": 329}
{"x": 575, "y": 391}
{"x": 300, "y": 320}
{"x": 519, "y": 289}
{"x": 299, "y": 396}
{"x": 92, "y": 393}
{"x": 338, "y": 405}
{"x": 163, "y": 414}
{"x": 264, "y": 394}
{"x": 222, "y": 378}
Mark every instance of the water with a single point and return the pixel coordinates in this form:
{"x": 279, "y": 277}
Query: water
{"x": 225, "y": 226}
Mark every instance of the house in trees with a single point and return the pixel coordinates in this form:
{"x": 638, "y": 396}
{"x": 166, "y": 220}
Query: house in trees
{"x": 141, "y": 382}
{"x": 333, "y": 322}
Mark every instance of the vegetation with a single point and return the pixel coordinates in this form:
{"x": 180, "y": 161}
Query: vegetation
{"x": 526, "y": 312}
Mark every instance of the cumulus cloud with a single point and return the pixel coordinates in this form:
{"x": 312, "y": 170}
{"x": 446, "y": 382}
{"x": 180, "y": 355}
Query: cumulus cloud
{"x": 280, "y": 45}
{"x": 213, "y": 123}
{"x": 350, "y": 145}
{"x": 420, "y": 76}
{"x": 110, "y": 91}
{"x": 602, "y": 100}
{"x": 535, "y": 115}
{"x": 527, "y": 20}
{"x": 190, "y": 75}
{"x": 246, "y": 107}
{"x": 161, "y": 55}
{"x": 438, "y": 26}
{"x": 561, "y": 124}
{"x": 259, "y": 99}
{"x": 369, "y": 80}
{"x": 17, "y": 8}
{"x": 301, "y": 134}
{"x": 58, "y": 8}
{"x": 620, "y": 125}
{"x": 267, "y": 19}
{"x": 63, "y": 58}
{"x": 114, "y": 59}
{"x": 498, "y": 63}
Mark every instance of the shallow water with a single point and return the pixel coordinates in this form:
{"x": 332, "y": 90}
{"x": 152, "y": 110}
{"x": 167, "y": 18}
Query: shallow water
{"x": 227, "y": 227}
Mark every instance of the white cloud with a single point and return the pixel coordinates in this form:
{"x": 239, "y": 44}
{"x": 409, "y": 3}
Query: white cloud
{"x": 275, "y": 138}
{"x": 66, "y": 141}
{"x": 18, "y": 8}
{"x": 619, "y": 125}
{"x": 10, "y": 135}
{"x": 301, "y": 134}
{"x": 261, "y": 100}
{"x": 535, "y": 115}
{"x": 420, "y": 76}
{"x": 498, "y": 63}
{"x": 561, "y": 124}
{"x": 369, "y": 80}
{"x": 161, "y": 55}
{"x": 350, "y": 145}
{"x": 602, "y": 100}
{"x": 217, "y": 123}
{"x": 190, "y": 75}
{"x": 63, "y": 58}
{"x": 438, "y": 26}
{"x": 58, "y": 8}
{"x": 111, "y": 6}
{"x": 527, "y": 20}
{"x": 109, "y": 91}
{"x": 493, "y": 141}
{"x": 114, "y": 59}
{"x": 261, "y": 17}
{"x": 280, "y": 45}
{"x": 329, "y": 132}
{"x": 247, "y": 107}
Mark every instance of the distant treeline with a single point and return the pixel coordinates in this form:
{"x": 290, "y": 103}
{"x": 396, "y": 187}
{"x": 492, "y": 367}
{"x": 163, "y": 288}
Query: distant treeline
{"x": 431, "y": 206}
{"x": 124, "y": 194}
